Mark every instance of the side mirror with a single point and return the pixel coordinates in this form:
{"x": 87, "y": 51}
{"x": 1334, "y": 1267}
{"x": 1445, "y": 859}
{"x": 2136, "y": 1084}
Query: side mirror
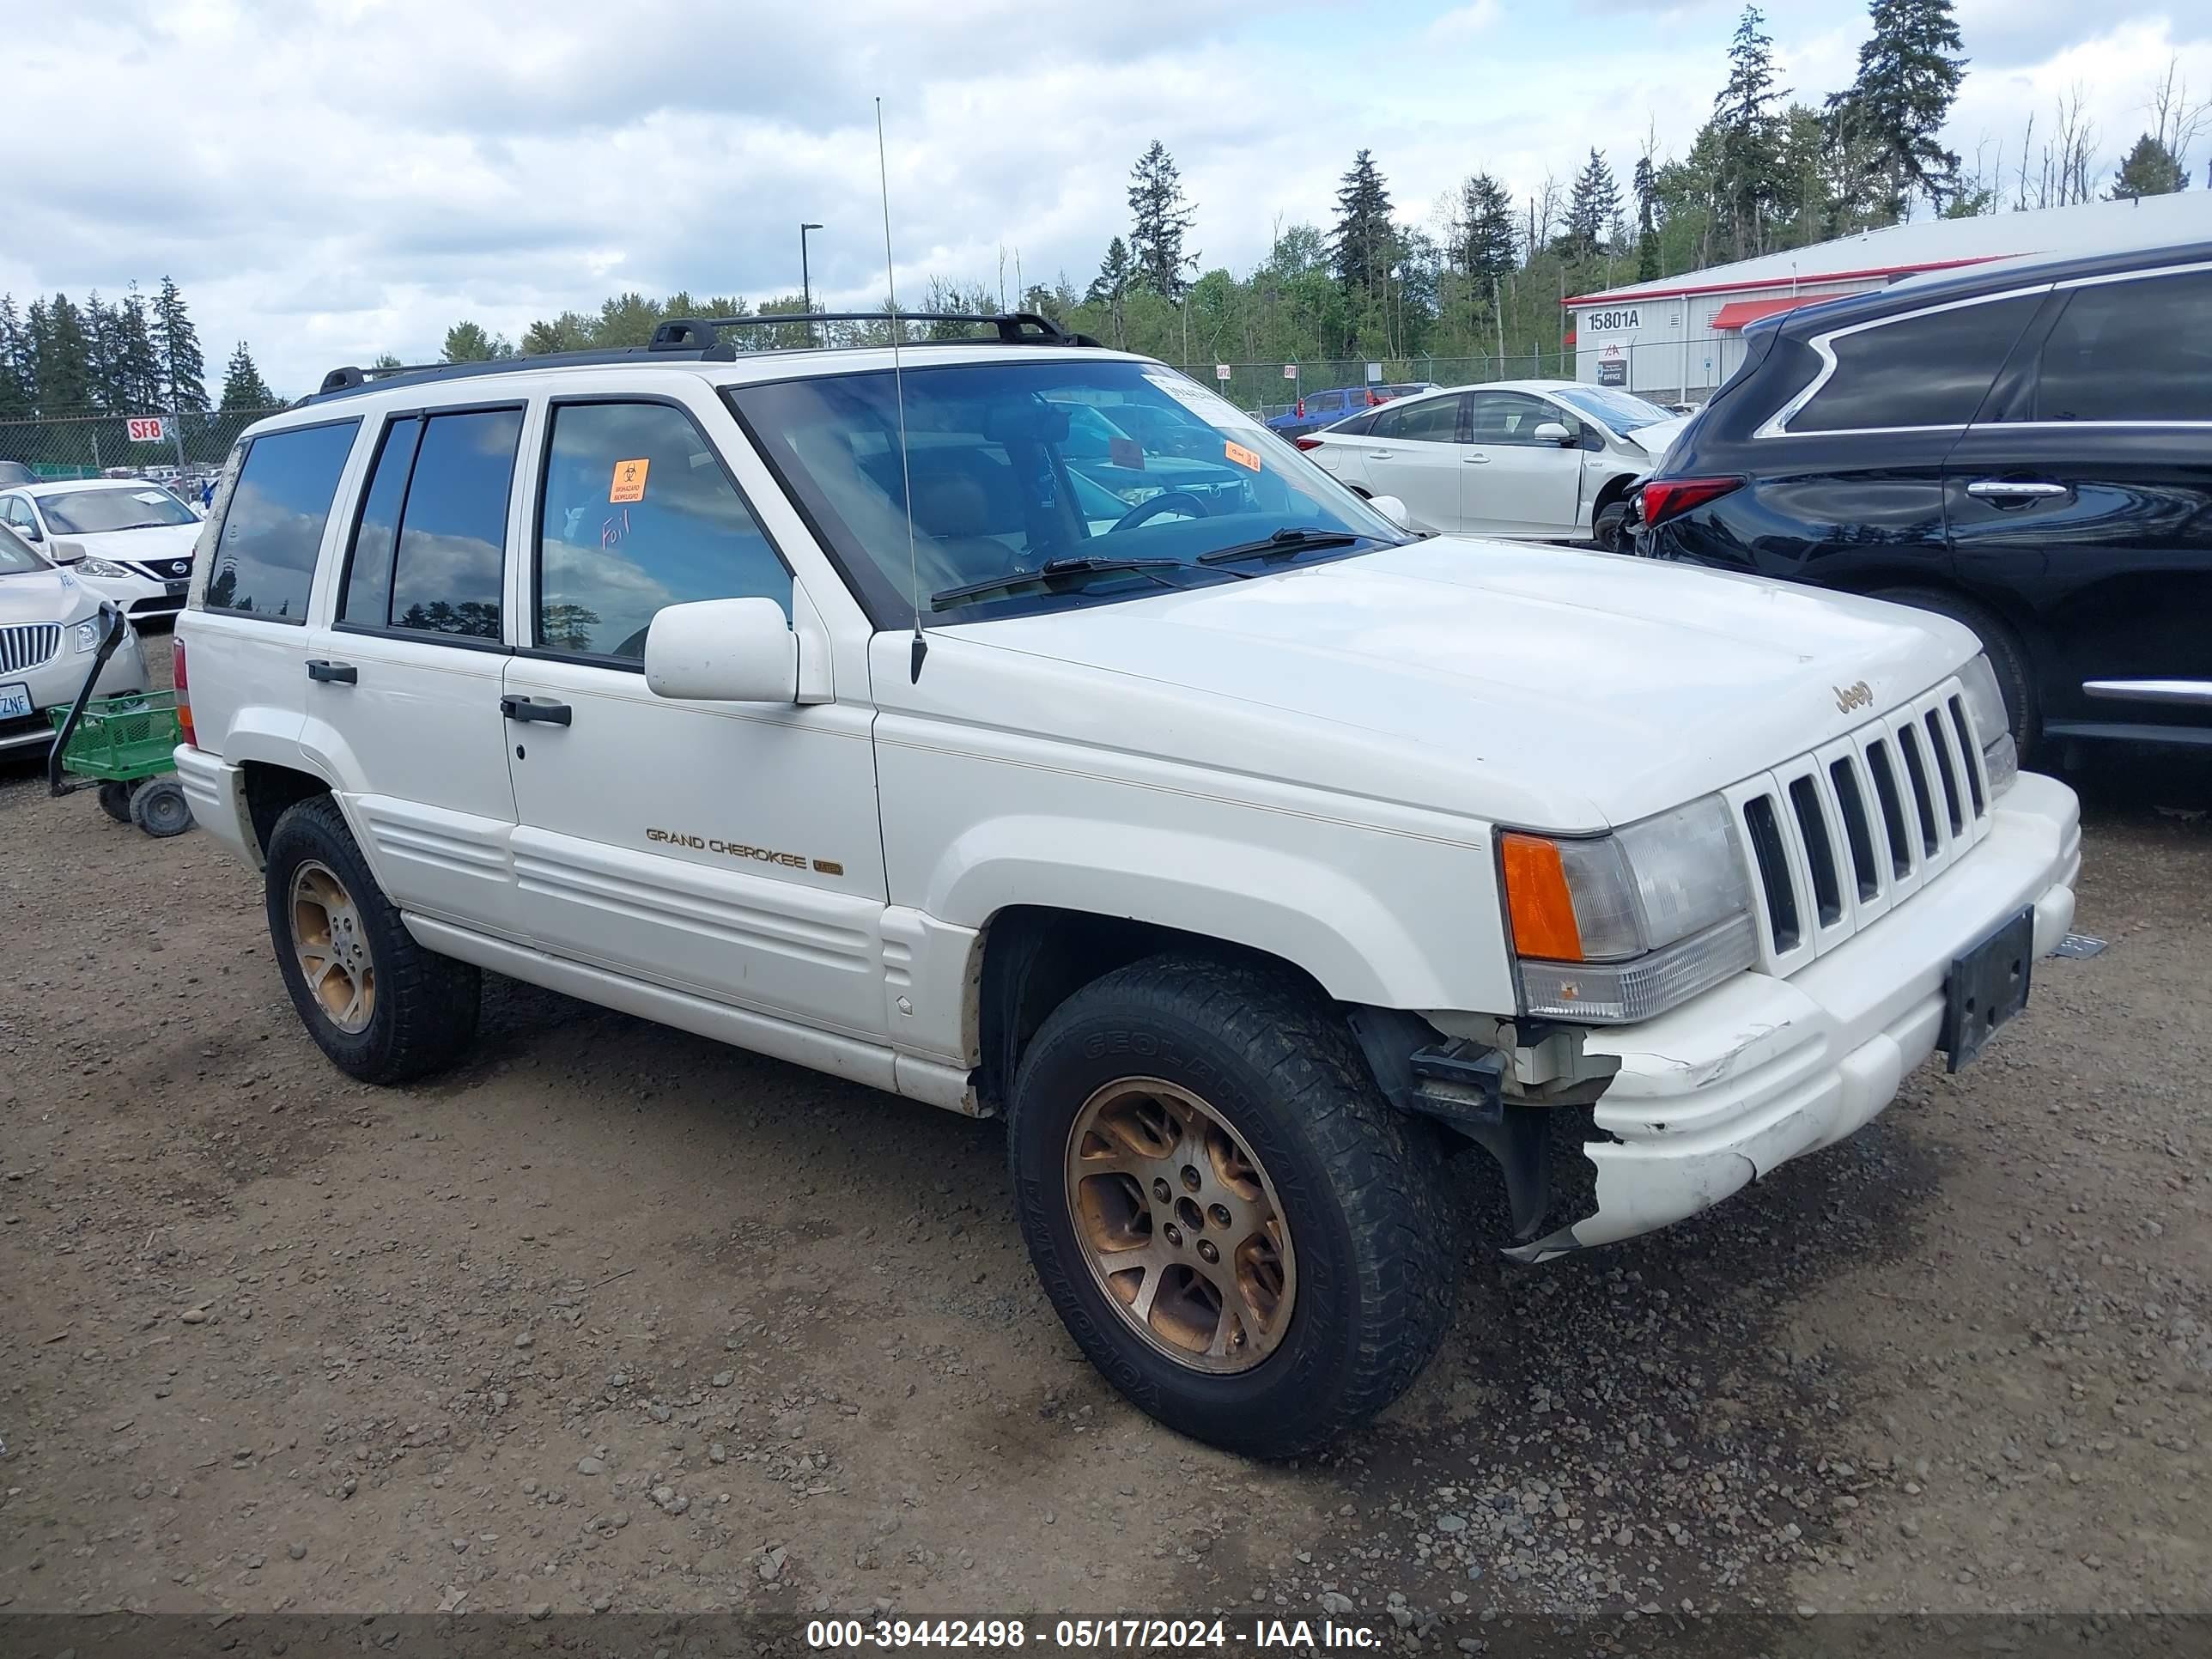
{"x": 29, "y": 532}
{"x": 723, "y": 651}
{"x": 1393, "y": 509}
{"x": 66, "y": 552}
{"x": 1551, "y": 432}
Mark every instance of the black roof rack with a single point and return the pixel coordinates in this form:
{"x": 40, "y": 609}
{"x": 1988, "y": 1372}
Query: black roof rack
{"x": 693, "y": 339}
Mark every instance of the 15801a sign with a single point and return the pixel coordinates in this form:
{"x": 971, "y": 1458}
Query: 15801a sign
{"x": 1610, "y": 322}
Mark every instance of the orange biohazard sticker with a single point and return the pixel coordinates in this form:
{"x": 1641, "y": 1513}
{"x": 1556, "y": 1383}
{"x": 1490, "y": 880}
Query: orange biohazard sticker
{"x": 629, "y": 481}
{"x": 1247, "y": 459}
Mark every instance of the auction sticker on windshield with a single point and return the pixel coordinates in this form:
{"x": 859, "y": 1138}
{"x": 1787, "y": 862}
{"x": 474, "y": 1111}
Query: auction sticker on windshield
{"x": 1215, "y": 411}
{"x": 1248, "y": 459}
{"x": 15, "y": 702}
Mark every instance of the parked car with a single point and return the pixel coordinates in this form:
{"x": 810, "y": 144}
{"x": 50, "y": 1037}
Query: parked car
{"x": 49, "y": 630}
{"x": 1552, "y": 459}
{"x": 129, "y": 542}
{"x": 1315, "y": 410}
{"x": 15, "y": 472}
{"x": 2027, "y": 450}
{"x": 1246, "y": 862}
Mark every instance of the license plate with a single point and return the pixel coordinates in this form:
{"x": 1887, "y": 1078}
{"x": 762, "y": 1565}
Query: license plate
{"x": 15, "y": 702}
{"x": 1987, "y": 987}
{"x": 176, "y": 589}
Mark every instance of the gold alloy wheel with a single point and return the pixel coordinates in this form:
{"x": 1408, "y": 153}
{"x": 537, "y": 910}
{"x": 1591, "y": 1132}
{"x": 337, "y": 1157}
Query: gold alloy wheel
{"x": 1180, "y": 1226}
{"x": 331, "y": 947}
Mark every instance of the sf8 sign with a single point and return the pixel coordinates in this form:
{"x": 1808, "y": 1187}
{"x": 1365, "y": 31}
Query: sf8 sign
{"x": 145, "y": 429}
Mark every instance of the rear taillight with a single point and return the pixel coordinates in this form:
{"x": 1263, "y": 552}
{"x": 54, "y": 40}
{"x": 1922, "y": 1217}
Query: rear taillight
{"x": 184, "y": 692}
{"x": 1307, "y": 443}
{"x": 1667, "y": 498}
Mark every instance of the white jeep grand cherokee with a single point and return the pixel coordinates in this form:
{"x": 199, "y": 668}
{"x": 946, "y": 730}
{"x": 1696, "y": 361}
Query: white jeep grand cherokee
{"x": 1249, "y": 856}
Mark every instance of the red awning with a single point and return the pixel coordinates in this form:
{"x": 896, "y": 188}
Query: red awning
{"x": 1736, "y": 312}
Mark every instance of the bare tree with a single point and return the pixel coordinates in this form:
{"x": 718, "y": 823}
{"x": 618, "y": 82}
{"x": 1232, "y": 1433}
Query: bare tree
{"x": 2175, "y": 122}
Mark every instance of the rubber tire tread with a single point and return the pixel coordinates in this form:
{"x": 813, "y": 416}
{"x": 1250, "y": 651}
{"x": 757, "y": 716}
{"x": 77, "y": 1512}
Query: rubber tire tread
{"x": 427, "y": 1005}
{"x": 1301, "y": 1067}
{"x": 2016, "y": 675}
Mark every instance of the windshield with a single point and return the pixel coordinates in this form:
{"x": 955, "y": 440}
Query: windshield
{"x": 92, "y": 512}
{"x": 1018, "y": 464}
{"x": 16, "y": 556}
{"x": 1619, "y": 412}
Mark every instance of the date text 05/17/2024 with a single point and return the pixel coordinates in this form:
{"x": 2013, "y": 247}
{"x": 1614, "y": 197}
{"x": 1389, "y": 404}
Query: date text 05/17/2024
{"x": 1128, "y": 1634}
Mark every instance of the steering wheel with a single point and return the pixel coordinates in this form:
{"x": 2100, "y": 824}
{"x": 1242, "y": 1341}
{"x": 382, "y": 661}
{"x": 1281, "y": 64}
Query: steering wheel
{"x": 1166, "y": 500}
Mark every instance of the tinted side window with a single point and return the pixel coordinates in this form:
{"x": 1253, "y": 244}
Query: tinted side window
{"x": 367, "y": 600}
{"x": 1921, "y": 371}
{"x": 638, "y": 514}
{"x": 2130, "y": 351}
{"x": 1432, "y": 421}
{"x": 452, "y": 533}
{"x": 264, "y": 559}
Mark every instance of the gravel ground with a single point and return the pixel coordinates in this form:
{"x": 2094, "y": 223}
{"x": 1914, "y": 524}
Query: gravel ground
{"x": 614, "y": 1318}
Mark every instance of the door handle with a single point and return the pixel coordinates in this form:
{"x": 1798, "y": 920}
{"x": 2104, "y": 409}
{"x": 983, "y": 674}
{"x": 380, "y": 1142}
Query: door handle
{"x": 2018, "y": 489}
{"x": 1477, "y": 459}
{"x": 337, "y": 673}
{"x": 530, "y": 708}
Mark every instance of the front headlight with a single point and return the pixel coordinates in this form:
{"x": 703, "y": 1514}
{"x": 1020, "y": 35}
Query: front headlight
{"x": 91, "y": 567}
{"x": 1985, "y": 706}
{"x": 86, "y": 635}
{"x": 1617, "y": 928}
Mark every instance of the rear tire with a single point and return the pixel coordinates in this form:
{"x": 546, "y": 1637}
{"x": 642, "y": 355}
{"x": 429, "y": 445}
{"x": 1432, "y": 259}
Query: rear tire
{"x": 382, "y": 1007}
{"x": 158, "y": 807}
{"x": 2015, "y": 673}
{"x": 1339, "y": 1261}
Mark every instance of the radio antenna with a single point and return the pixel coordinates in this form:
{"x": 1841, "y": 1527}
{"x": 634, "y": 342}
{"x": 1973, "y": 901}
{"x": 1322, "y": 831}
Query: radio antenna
{"x": 898, "y": 394}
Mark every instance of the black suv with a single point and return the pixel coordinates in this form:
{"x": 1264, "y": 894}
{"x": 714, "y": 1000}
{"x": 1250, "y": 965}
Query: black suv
{"x": 2026, "y": 448}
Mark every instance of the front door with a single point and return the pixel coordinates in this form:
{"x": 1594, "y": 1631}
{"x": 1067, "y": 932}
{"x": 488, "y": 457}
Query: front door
{"x": 1511, "y": 482}
{"x": 2085, "y": 510}
{"x": 403, "y": 685}
{"x": 1410, "y": 451}
{"x": 728, "y": 849}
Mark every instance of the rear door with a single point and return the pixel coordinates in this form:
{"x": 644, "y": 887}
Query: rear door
{"x": 1410, "y": 449}
{"x": 402, "y": 684}
{"x": 2081, "y": 502}
{"x": 1513, "y": 482}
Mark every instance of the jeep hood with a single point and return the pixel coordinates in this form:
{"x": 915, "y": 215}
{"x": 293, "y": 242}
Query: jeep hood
{"x": 1538, "y": 685}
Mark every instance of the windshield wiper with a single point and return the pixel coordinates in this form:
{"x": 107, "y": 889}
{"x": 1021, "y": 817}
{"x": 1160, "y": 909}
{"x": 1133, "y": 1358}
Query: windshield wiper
{"x": 1048, "y": 574}
{"x": 1283, "y": 544}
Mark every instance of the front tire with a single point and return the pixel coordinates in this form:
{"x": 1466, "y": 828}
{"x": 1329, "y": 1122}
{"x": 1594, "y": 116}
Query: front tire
{"x": 1233, "y": 1225}
{"x": 383, "y": 1008}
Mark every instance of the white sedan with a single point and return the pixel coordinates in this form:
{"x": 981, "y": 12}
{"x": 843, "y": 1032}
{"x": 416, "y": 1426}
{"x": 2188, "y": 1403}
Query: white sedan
{"x": 1550, "y": 460}
{"x": 125, "y": 540}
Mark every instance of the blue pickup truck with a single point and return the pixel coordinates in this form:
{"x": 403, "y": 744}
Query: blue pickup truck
{"x": 1315, "y": 410}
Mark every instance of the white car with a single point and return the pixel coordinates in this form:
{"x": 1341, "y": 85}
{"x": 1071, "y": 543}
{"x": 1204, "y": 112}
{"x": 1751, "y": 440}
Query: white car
{"x": 127, "y": 540}
{"x": 1245, "y": 855}
{"x": 49, "y": 630}
{"x": 1552, "y": 460}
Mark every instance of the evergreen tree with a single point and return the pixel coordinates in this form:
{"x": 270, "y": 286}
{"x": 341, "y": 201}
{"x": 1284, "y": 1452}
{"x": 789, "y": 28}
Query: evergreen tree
{"x": 63, "y": 366}
{"x": 1365, "y": 243}
{"x": 242, "y": 385}
{"x": 1591, "y": 209}
{"x": 2151, "y": 169}
{"x": 1159, "y": 217}
{"x": 1489, "y": 242}
{"x": 177, "y": 350}
{"x": 1749, "y": 134}
{"x": 16, "y": 401}
{"x": 140, "y": 364}
{"x": 468, "y": 342}
{"x": 1646, "y": 188}
{"x": 1894, "y": 109}
{"x": 103, "y": 353}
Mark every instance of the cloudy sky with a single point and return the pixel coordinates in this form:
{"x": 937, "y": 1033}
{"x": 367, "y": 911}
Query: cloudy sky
{"x": 330, "y": 178}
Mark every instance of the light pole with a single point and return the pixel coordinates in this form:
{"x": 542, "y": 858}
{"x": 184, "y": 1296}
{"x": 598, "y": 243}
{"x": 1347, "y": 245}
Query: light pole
{"x": 805, "y": 287}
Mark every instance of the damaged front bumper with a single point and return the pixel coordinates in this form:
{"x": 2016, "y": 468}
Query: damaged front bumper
{"x": 1755, "y": 1071}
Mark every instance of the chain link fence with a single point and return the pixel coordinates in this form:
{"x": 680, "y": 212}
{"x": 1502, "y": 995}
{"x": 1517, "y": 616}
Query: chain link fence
{"x": 190, "y": 446}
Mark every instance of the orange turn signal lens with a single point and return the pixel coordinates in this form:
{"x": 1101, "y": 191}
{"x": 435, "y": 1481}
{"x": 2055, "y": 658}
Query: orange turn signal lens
{"x": 1536, "y": 897}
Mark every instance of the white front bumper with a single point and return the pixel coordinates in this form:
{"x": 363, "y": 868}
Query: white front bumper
{"x": 1721, "y": 1091}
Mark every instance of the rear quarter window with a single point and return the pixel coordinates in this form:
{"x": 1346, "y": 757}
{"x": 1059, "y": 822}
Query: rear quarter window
{"x": 1930, "y": 370}
{"x": 272, "y": 525}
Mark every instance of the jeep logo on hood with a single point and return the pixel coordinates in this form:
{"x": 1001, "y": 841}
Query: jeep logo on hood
{"x": 1858, "y": 695}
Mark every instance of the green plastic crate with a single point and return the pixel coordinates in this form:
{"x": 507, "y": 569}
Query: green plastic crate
{"x": 124, "y": 738}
